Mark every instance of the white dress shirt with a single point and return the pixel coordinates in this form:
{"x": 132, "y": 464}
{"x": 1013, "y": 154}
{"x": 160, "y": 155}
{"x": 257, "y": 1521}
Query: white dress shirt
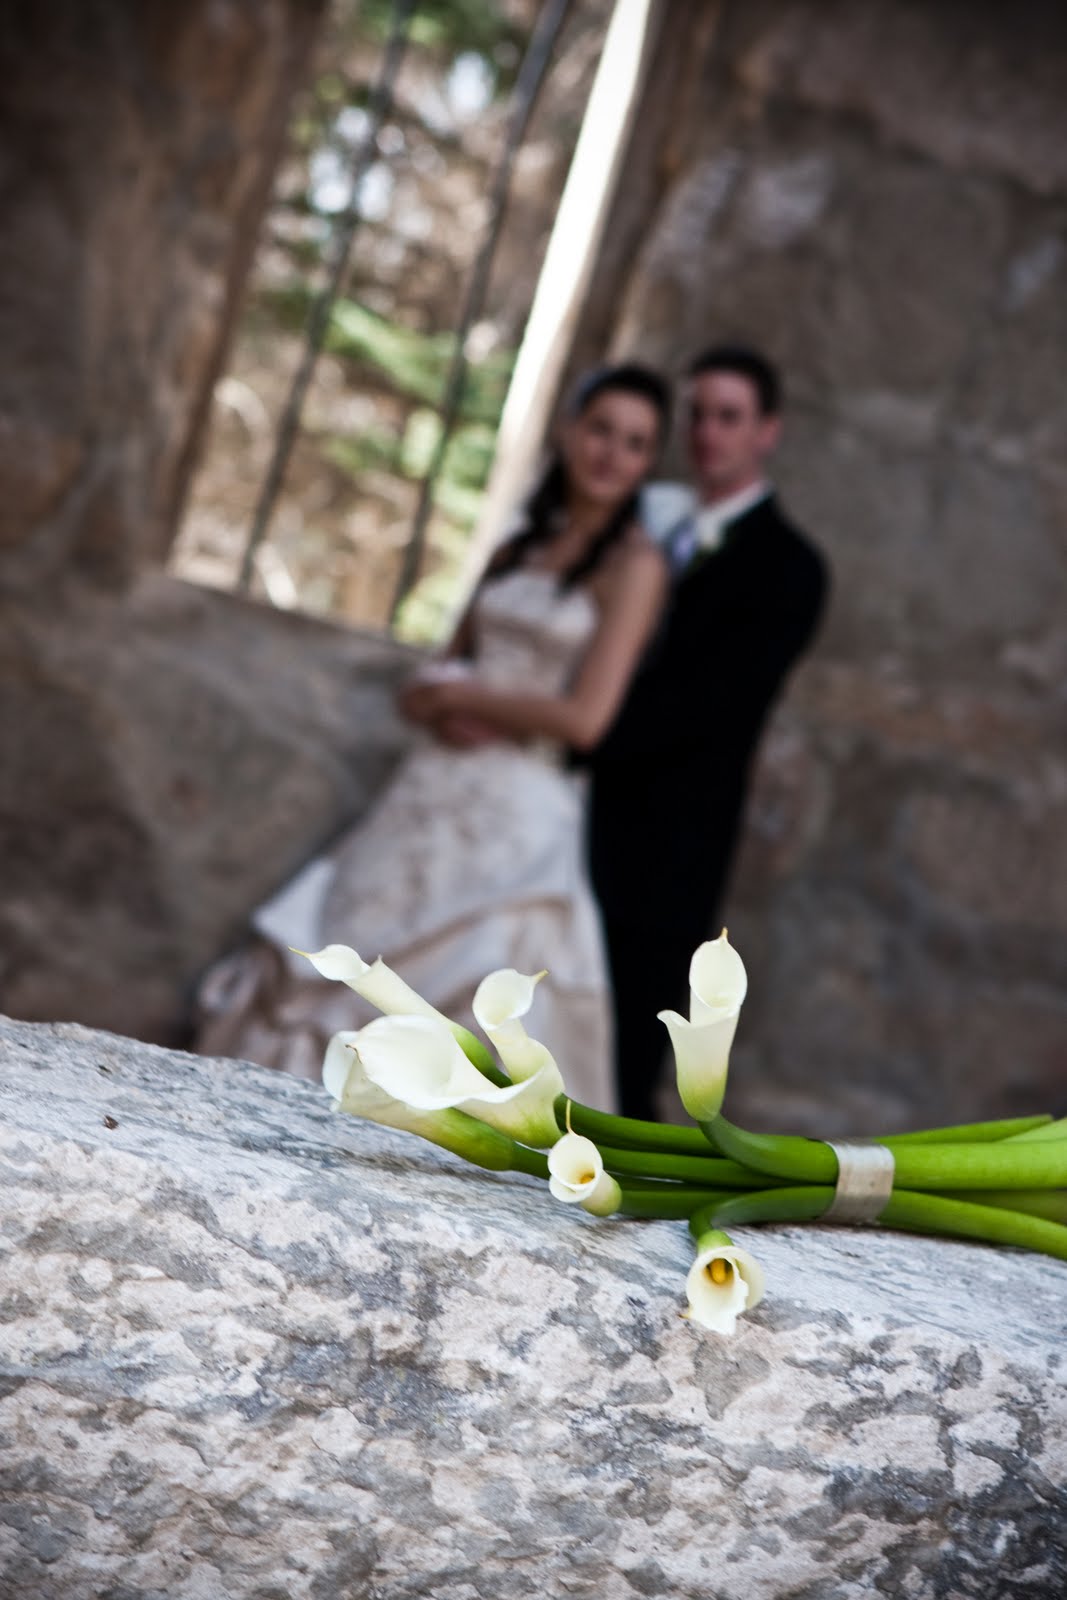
{"x": 673, "y": 516}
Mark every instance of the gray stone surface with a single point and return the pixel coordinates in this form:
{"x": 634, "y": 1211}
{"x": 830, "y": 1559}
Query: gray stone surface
{"x": 254, "y": 1352}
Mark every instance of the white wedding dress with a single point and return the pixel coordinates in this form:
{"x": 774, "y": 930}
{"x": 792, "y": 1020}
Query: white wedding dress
{"x": 470, "y": 860}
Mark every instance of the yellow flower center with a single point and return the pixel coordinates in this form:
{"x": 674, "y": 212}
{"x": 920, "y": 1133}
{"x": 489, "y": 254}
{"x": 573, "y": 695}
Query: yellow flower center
{"x": 719, "y": 1271}
{"x": 586, "y": 1177}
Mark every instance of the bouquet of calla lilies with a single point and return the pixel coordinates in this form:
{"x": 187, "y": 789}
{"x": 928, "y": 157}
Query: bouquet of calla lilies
{"x": 504, "y": 1106}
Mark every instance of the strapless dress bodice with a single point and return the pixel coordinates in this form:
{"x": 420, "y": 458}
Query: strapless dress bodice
{"x": 530, "y": 633}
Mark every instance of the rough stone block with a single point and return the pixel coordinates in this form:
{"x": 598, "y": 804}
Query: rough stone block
{"x": 251, "y": 1350}
{"x": 172, "y": 755}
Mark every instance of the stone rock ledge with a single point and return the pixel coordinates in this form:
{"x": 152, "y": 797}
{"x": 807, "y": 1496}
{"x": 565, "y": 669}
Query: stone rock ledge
{"x": 249, "y": 1351}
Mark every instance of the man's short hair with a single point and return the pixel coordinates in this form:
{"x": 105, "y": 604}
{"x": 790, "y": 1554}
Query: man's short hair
{"x": 747, "y": 363}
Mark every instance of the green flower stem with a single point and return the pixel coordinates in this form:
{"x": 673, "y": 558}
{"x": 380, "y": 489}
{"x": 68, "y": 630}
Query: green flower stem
{"x": 914, "y": 1213}
{"x": 1049, "y": 1130}
{"x": 1002, "y": 1165}
{"x": 477, "y": 1143}
{"x": 709, "y": 1171}
{"x": 1048, "y": 1203}
{"x": 707, "y": 1238}
{"x": 480, "y": 1056}
{"x": 805, "y": 1203}
{"x": 976, "y": 1132}
{"x": 669, "y": 1202}
{"x": 523, "y": 1159}
{"x": 630, "y": 1133}
{"x": 927, "y": 1213}
{"x": 702, "y": 1223}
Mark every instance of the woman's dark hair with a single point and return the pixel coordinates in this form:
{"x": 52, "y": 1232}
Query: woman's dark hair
{"x": 541, "y": 512}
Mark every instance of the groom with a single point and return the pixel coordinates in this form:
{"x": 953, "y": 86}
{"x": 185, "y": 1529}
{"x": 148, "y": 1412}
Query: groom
{"x": 669, "y": 779}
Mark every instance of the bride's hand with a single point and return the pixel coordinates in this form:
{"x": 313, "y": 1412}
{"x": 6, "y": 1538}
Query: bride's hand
{"x": 424, "y": 702}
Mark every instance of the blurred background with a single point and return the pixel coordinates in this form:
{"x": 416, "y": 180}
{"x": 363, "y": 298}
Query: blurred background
{"x": 288, "y": 293}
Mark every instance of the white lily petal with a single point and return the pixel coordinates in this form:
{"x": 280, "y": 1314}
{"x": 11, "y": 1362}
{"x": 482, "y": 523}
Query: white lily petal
{"x": 375, "y": 981}
{"x": 503, "y": 996}
{"x": 344, "y": 1077}
{"x": 500, "y": 1001}
{"x": 702, "y": 1060}
{"x": 339, "y": 1062}
{"x": 718, "y": 1304}
{"x": 718, "y": 981}
{"x": 360, "y": 1096}
{"x": 525, "y": 1111}
{"x": 576, "y": 1174}
{"x": 522, "y": 1056}
{"x": 416, "y": 1059}
{"x": 605, "y": 1199}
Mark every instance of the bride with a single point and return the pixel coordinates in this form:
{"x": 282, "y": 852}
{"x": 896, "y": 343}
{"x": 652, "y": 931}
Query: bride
{"x": 473, "y": 857}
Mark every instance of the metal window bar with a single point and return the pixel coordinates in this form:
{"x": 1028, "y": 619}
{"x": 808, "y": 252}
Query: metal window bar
{"x": 527, "y": 87}
{"x": 319, "y": 318}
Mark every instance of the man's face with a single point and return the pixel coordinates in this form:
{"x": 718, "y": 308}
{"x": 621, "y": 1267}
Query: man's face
{"x": 729, "y": 436}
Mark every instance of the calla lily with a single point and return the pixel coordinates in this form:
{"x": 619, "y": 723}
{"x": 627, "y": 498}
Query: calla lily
{"x": 375, "y": 981}
{"x": 418, "y": 1061}
{"x": 501, "y": 1000}
{"x": 717, "y": 987}
{"x": 576, "y": 1176}
{"x": 387, "y": 990}
{"x": 344, "y": 1076}
{"x": 723, "y": 1282}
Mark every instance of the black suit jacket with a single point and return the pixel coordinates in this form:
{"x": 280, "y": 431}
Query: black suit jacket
{"x": 677, "y": 757}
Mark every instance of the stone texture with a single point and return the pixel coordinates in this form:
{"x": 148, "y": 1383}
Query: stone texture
{"x": 172, "y": 755}
{"x": 167, "y": 757}
{"x": 875, "y": 192}
{"x": 253, "y": 1350}
{"x": 139, "y": 141}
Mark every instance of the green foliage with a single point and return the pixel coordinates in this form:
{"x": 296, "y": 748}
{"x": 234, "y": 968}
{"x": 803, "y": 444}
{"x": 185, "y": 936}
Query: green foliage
{"x": 412, "y": 364}
{"x": 417, "y": 363}
{"x": 450, "y": 26}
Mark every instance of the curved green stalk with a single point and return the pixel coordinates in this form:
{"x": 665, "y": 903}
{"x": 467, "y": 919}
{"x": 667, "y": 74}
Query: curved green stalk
{"x": 669, "y": 1202}
{"x": 927, "y": 1213}
{"x": 913, "y": 1213}
{"x": 975, "y": 1132}
{"x": 523, "y": 1159}
{"x": 630, "y": 1133}
{"x": 480, "y": 1056}
{"x": 801, "y": 1203}
{"x": 1006, "y": 1164}
{"x": 709, "y": 1171}
{"x": 1050, "y": 1130}
{"x": 1048, "y": 1203}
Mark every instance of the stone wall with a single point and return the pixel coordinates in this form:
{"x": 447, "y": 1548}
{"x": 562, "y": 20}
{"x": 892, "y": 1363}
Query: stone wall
{"x": 876, "y": 191}
{"x": 173, "y": 754}
{"x": 139, "y": 143}
{"x": 168, "y": 756}
{"x": 252, "y": 1350}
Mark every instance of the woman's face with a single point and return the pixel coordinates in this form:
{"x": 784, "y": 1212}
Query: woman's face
{"x": 609, "y": 448}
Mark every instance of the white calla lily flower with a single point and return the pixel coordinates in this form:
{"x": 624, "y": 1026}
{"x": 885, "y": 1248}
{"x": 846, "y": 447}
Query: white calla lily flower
{"x": 501, "y": 1000}
{"x": 375, "y": 981}
{"x": 416, "y": 1060}
{"x": 345, "y": 1078}
{"x": 387, "y": 990}
{"x": 723, "y": 1282}
{"x": 576, "y": 1176}
{"x": 701, "y": 1043}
